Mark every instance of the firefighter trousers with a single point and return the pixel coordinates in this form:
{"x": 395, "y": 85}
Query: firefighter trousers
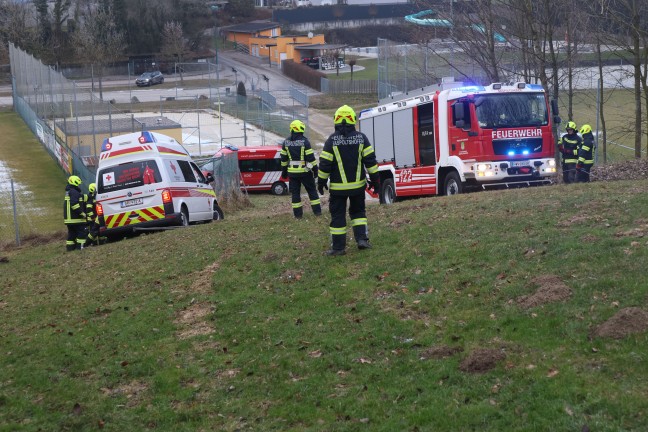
{"x": 569, "y": 172}
{"x": 583, "y": 174}
{"x": 357, "y": 213}
{"x": 294, "y": 185}
{"x": 76, "y": 236}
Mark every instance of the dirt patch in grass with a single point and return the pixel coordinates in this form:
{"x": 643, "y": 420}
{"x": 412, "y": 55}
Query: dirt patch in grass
{"x": 133, "y": 391}
{"x": 203, "y": 282}
{"x": 192, "y": 321}
{"x": 551, "y": 289}
{"x": 35, "y": 240}
{"x": 440, "y": 352}
{"x": 481, "y": 360}
{"x": 627, "y": 321}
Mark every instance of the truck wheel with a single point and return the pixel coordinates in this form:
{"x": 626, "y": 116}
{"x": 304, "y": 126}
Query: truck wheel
{"x": 387, "y": 192}
{"x": 279, "y": 188}
{"x": 452, "y": 184}
{"x": 184, "y": 217}
{"x": 218, "y": 212}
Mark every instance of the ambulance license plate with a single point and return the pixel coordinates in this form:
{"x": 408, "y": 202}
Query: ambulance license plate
{"x": 132, "y": 202}
{"x": 519, "y": 163}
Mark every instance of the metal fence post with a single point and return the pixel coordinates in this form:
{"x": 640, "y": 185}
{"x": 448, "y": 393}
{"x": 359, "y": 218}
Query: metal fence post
{"x": 15, "y": 213}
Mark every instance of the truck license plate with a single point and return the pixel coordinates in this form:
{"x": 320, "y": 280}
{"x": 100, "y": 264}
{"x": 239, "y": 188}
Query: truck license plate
{"x": 520, "y": 163}
{"x": 132, "y": 202}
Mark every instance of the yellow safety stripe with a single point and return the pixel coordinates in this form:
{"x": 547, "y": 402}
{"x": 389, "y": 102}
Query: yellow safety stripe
{"x": 310, "y": 151}
{"x": 315, "y": 202}
{"x": 337, "y": 231}
{"x": 367, "y": 151}
{"x": 117, "y": 220}
{"x": 358, "y": 221}
{"x": 349, "y": 186}
{"x": 373, "y": 169}
{"x": 323, "y": 175}
{"x": 296, "y": 205}
{"x": 359, "y": 167}
{"x": 326, "y": 155}
{"x": 584, "y": 147}
{"x": 340, "y": 165}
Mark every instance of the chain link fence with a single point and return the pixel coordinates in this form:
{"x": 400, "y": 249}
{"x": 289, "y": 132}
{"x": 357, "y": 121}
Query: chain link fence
{"x": 71, "y": 119}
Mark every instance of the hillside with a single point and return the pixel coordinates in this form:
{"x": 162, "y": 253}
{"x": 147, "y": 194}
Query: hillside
{"x": 503, "y": 310}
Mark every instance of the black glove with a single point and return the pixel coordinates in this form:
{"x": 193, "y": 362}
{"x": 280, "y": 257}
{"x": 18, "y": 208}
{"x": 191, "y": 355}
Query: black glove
{"x": 321, "y": 185}
{"x": 284, "y": 173}
{"x": 374, "y": 184}
{"x": 315, "y": 171}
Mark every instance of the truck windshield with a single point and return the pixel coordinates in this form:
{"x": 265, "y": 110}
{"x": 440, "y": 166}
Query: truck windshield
{"x": 511, "y": 110}
{"x": 128, "y": 175}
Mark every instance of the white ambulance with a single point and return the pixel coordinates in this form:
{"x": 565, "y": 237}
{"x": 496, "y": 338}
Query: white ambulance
{"x": 147, "y": 180}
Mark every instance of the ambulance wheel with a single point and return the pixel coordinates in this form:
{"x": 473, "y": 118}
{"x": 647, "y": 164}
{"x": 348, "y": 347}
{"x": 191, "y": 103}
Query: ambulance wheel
{"x": 452, "y": 184}
{"x": 184, "y": 216}
{"x": 279, "y": 188}
{"x": 387, "y": 192}
{"x": 218, "y": 213}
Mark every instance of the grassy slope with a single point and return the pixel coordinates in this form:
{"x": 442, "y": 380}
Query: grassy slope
{"x": 34, "y": 169}
{"x": 244, "y": 325}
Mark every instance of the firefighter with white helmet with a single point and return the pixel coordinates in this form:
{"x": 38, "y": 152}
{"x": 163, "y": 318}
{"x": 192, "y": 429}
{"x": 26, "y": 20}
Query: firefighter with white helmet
{"x": 346, "y": 159}
{"x": 585, "y": 155}
{"x": 299, "y": 165}
{"x": 74, "y": 215}
{"x": 568, "y": 146}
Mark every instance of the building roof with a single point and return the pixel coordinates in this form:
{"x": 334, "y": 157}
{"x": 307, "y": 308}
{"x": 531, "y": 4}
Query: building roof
{"x": 253, "y": 27}
{"x": 116, "y": 125}
{"x": 320, "y": 46}
{"x": 343, "y": 13}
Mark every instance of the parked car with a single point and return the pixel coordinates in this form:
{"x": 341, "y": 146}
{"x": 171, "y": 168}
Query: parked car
{"x": 149, "y": 78}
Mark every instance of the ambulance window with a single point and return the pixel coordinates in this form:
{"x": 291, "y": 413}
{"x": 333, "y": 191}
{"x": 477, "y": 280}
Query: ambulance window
{"x": 199, "y": 176}
{"x": 128, "y": 175}
{"x": 273, "y": 165}
{"x": 187, "y": 171}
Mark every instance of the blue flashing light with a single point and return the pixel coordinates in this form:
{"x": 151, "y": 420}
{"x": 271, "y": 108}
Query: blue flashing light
{"x": 535, "y": 87}
{"x": 511, "y": 153}
{"x": 146, "y": 137}
{"x": 231, "y": 147}
{"x": 525, "y": 152}
{"x": 106, "y": 145}
{"x": 469, "y": 89}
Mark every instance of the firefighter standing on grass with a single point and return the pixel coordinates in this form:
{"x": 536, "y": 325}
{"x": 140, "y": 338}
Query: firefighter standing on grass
{"x": 298, "y": 163}
{"x": 74, "y": 215}
{"x": 91, "y": 215}
{"x": 568, "y": 146}
{"x": 585, "y": 155}
{"x": 346, "y": 155}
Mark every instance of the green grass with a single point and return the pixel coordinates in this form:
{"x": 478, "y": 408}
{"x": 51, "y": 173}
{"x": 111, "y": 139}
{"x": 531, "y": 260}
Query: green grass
{"x": 38, "y": 181}
{"x": 245, "y": 325}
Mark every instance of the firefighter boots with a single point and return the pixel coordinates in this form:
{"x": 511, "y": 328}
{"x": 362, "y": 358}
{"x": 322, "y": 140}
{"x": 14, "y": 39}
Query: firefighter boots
{"x": 338, "y": 245}
{"x": 360, "y": 234}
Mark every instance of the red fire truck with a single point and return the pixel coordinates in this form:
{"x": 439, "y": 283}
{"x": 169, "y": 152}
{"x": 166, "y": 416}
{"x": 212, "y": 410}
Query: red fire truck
{"x": 260, "y": 167}
{"x": 445, "y": 141}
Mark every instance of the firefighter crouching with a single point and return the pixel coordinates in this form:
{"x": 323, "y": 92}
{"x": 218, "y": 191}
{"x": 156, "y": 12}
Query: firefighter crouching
{"x": 298, "y": 163}
{"x": 585, "y": 155}
{"x": 74, "y": 215}
{"x": 346, "y": 155}
{"x": 568, "y": 146}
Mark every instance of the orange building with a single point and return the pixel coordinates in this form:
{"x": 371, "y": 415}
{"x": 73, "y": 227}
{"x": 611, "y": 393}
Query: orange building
{"x": 264, "y": 39}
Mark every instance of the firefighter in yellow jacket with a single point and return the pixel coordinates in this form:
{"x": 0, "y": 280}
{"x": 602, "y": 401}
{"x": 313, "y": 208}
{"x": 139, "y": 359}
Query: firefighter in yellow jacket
{"x": 568, "y": 146}
{"x": 346, "y": 155}
{"x": 74, "y": 215}
{"x": 585, "y": 155}
{"x": 298, "y": 163}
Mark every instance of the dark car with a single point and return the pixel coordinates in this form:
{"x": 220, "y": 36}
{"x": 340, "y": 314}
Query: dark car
{"x": 149, "y": 78}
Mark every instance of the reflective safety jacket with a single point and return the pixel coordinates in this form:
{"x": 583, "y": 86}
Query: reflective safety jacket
{"x": 586, "y": 150}
{"x": 297, "y": 155}
{"x": 90, "y": 201}
{"x": 570, "y": 144}
{"x": 73, "y": 210}
{"x": 346, "y": 155}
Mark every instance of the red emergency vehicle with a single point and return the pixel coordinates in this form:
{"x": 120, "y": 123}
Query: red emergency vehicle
{"x": 443, "y": 141}
{"x": 260, "y": 167}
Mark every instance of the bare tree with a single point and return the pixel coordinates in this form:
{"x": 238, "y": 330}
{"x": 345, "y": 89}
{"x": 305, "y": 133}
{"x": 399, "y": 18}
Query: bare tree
{"x": 352, "y": 61}
{"x": 174, "y": 44}
{"x": 98, "y": 42}
{"x": 629, "y": 19}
